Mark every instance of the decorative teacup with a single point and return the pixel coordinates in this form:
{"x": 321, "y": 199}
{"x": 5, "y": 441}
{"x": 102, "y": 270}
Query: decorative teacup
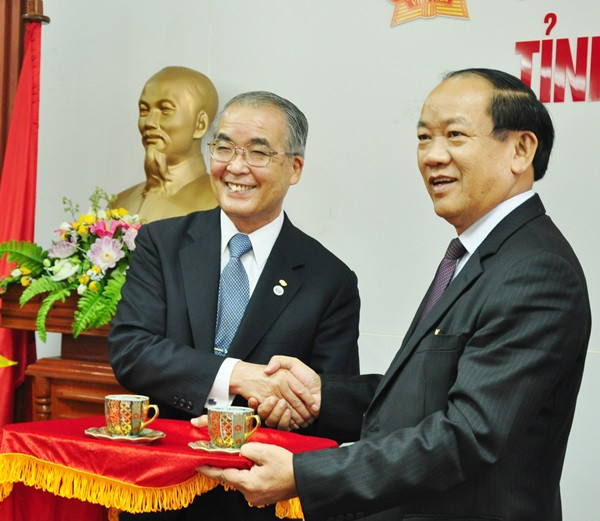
{"x": 230, "y": 427}
{"x": 127, "y": 414}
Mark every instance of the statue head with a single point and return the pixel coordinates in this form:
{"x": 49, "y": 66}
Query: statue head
{"x": 176, "y": 108}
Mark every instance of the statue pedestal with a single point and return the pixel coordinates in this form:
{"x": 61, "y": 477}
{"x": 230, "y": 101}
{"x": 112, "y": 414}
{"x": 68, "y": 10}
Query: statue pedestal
{"x": 75, "y": 383}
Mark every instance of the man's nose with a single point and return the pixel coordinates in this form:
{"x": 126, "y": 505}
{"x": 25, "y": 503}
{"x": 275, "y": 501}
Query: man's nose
{"x": 237, "y": 164}
{"x": 436, "y": 152}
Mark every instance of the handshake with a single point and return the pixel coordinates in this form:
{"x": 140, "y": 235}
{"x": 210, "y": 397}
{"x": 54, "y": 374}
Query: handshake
{"x": 286, "y": 393}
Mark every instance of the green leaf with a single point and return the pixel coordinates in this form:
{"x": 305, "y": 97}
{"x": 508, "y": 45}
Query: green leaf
{"x": 48, "y": 302}
{"x": 96, "y": 308}
{"x": 100, "y": 195}
{"x": 70, "y": 207}
{"x": 88, "y": 305}
{"x": 42, "y": 285}
{"x": 24, "y": 253}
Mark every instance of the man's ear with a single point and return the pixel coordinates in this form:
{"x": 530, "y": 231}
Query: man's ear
{"x": 526, "y": 144}
{"x": 297, "y": 166}
{"x": 202, "y": 124}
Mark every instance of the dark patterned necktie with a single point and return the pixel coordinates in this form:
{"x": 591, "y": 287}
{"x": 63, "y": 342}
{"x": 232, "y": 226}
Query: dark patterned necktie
{"x": 234, "y": 293}
{"x": 444, "y": 274}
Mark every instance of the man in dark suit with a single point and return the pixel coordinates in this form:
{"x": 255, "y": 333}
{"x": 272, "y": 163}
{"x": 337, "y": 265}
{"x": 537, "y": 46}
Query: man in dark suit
{"x": 471, "y": 420}
{"x": 303, "y": 301}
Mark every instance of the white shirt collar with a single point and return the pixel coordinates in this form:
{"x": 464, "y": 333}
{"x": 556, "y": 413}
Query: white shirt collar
{"x": 475, "y": 234}
{"x": 262, "y": 239}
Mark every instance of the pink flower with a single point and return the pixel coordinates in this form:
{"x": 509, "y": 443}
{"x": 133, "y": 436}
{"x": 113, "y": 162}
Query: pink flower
{"x": 129, "y": 238}
{"x": 128, "y": 224}
{"x": 105, "y": 253}
{"x": 100, "y": 228}
{"x": 62, "y": 249}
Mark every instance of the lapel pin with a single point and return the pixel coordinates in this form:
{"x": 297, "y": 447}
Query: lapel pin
{"x": 283, "y": 282}
{"x": 437, "y": 331}
{"x": 278, "y": 290}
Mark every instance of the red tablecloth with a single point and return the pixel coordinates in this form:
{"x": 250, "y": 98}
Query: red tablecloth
{"x": 58, "y": 457}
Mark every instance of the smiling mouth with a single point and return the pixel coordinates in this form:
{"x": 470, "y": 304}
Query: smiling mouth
{"x": 440, "y": 182}
{"x": 239, "y": 188}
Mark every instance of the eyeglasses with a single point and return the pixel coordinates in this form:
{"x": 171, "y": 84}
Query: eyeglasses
{"x": 223, "y": 150}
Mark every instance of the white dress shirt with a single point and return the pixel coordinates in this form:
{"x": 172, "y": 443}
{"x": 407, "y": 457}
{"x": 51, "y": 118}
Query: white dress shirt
{"x": 253, "y": 261}
{"x": 475, "y": 234}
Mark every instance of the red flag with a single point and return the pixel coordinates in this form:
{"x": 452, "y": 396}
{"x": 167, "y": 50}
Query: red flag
{"x": 17, "y": 207}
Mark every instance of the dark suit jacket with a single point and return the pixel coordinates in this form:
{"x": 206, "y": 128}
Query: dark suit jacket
{"x": 471, "y": 420}
{"x": 162, "y": 337}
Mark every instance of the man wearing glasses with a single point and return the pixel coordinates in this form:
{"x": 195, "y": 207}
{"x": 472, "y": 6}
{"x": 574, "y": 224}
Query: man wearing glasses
{"x": 171, "y": 336}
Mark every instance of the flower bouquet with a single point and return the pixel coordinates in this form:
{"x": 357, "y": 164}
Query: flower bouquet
{"x": 89, "y": 255}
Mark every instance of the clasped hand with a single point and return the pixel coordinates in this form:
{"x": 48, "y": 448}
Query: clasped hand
{"x": 296, "y": 401}
{"x": 286, "y": 393}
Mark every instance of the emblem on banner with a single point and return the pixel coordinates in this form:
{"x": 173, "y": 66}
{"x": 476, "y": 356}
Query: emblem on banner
{"x": 407, "y": 10}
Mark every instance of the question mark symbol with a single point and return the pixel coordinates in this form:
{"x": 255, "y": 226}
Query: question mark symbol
{"x": 550, "y": 19}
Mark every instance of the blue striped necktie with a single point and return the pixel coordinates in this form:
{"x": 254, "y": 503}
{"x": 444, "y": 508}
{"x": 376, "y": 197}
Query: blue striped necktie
{"x": 234, "y": 293}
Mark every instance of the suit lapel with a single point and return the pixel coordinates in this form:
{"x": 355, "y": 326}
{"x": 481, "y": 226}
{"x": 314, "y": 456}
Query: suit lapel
{"x": 200, "y": 264}
{"x": 417, "y": 331}
{"x": 267, "y": 303}
{"x": 530, "y": 209}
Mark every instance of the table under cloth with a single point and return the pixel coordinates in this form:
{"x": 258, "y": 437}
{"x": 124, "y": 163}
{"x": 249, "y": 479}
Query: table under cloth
{"x": 56, "y": 456}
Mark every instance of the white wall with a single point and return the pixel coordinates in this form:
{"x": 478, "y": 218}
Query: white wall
{"x": 361, "y": 84}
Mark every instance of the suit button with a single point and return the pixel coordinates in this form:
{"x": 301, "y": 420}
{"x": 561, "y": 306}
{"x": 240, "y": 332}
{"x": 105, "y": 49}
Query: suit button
{"x": 373, "y": 428}
{"x": 212, "y": 401}
{"x": 175, "y": 401}
{"x": 360, "y": 515}
{"x": 182, "y": 402}
{"x": 189, "y": 406}
{"x": 350, "y": 517}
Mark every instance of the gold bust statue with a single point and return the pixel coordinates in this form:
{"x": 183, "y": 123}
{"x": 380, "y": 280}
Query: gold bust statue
{"x": 176, "y": 109}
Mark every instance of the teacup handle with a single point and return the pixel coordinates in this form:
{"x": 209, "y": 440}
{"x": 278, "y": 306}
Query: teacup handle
{"x": 256, "y": 418}
{"x": 150, "y": 420}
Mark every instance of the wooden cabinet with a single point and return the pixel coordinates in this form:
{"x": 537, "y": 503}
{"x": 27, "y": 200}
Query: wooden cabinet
{"x": 64, "y": 388}
{"x": 74, "y": 384}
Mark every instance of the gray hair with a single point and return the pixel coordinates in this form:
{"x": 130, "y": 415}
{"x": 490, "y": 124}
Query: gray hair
{"x": 297, "y": 124}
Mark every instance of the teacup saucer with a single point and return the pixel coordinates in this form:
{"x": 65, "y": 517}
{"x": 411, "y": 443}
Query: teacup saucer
{"x": 146, "y": 436}
{"x": 208, "y": 447}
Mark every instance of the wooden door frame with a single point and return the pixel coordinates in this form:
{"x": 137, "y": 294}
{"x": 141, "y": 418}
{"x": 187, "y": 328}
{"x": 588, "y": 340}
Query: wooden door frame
{"x": 12, "y": 31}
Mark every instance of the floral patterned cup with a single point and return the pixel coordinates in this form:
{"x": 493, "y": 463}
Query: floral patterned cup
{"x": 230, "y": 427}
{"x": 127, "y": 414}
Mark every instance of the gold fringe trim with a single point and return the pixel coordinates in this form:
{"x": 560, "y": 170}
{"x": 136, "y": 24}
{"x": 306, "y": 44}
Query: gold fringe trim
{"x": 292, "y": 509}
{"x": 5, "y": 490}
{"x": 111, "y": 493}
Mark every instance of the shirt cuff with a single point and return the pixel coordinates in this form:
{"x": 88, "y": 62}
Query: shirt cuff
{"x": 219, "y": 393}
